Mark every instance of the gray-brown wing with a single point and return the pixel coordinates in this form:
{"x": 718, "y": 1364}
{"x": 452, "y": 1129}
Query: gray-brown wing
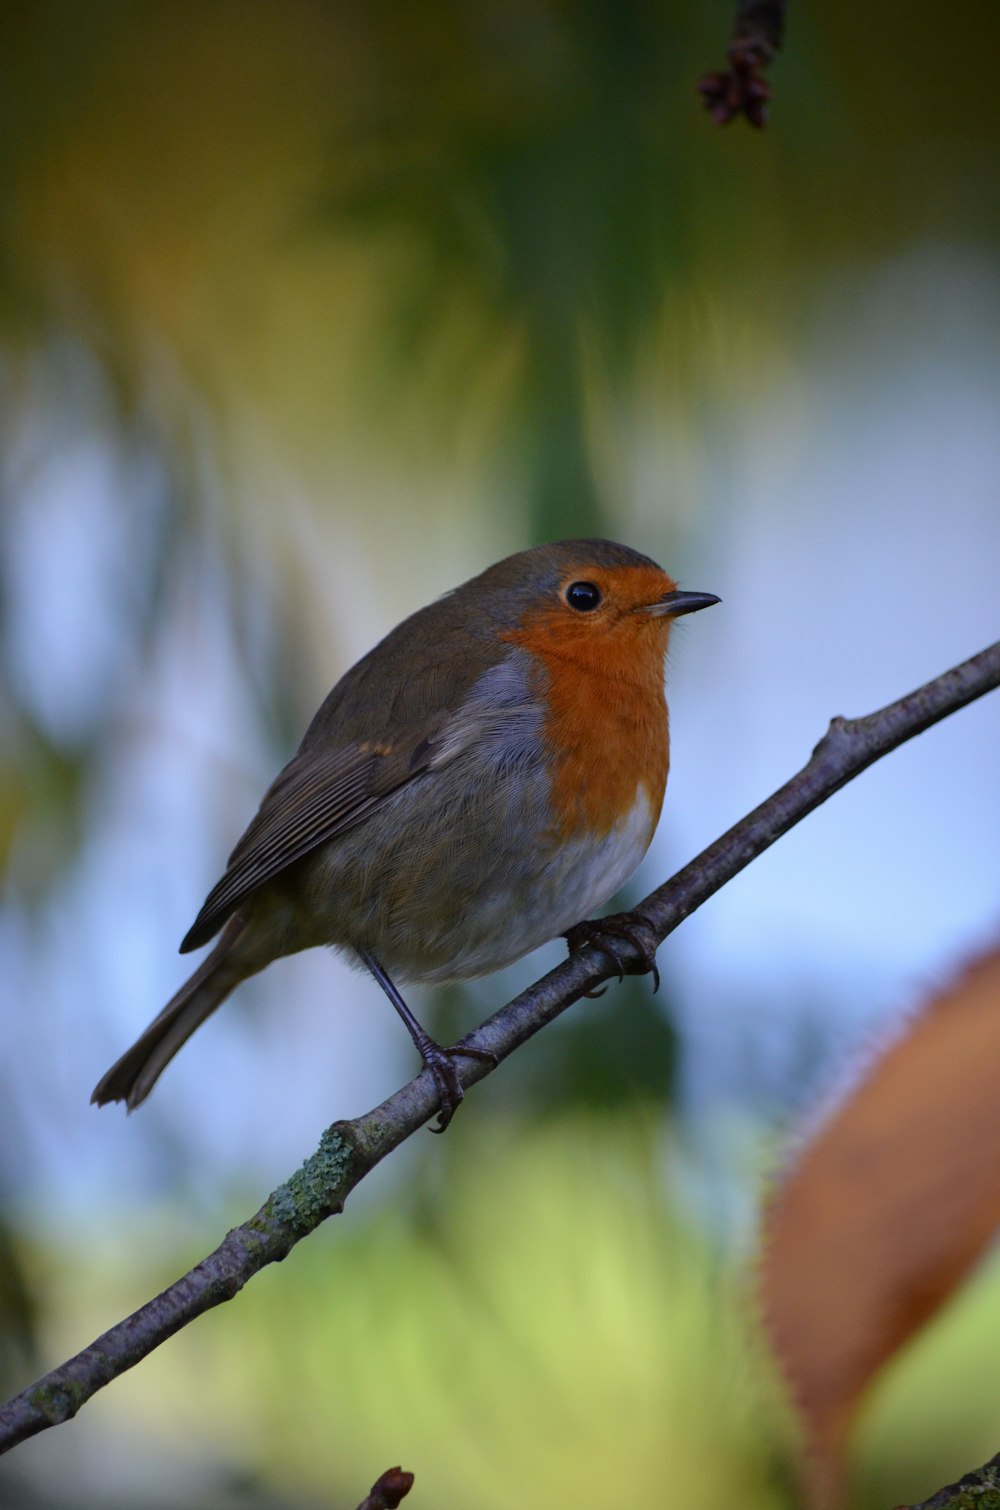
{"x": 317, "y": 795}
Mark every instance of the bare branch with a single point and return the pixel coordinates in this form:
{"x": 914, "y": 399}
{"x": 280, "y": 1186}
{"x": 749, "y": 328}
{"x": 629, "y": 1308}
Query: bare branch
{"x": 348, "y": 1150}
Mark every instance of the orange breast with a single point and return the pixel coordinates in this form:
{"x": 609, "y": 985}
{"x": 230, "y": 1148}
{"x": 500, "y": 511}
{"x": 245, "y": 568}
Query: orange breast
{"x": 606, "y": 718}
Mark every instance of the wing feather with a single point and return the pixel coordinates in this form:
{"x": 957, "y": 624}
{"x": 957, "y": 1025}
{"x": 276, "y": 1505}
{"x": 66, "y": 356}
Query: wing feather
{"x": 316, "y": 796}
{"x": 324, "y": 791}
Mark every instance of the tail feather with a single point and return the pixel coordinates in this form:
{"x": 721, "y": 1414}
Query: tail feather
{"x": 133, "y": 1076}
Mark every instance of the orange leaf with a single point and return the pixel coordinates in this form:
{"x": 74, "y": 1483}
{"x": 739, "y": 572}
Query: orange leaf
{"x": 883, "y": 1214}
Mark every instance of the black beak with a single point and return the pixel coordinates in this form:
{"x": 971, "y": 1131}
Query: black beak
{"x": 673, "y": 604}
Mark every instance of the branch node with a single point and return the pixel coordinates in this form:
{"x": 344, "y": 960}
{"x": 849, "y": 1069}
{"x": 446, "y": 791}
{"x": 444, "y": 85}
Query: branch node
{"x": 839, "y": 738}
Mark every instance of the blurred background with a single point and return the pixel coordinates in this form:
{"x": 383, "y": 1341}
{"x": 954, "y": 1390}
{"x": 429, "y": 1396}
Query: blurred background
{"x": 307, "y": 313}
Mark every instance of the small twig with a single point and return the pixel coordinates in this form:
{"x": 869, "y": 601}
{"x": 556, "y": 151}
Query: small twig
{"x": 387, "y": 1491}
{"x": 349, "y": 1150}
{"x": 741, "y": 89}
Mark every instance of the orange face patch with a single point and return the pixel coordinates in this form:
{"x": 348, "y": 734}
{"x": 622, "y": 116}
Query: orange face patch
{"x": 606, "y": 716}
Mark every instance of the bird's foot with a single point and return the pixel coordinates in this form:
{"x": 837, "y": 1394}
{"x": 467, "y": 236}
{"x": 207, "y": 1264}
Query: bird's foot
{"x": 436, "y": 1058}
{"x": 441, "y": 1063}
{"x": 603, "y": 934}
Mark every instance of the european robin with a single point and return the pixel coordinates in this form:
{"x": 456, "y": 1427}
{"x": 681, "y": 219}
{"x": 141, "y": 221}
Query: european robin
{"x": 487, "y": 775}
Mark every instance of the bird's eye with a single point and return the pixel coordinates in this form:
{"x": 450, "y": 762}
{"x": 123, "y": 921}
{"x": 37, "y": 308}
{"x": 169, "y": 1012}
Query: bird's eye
{"x": 583, "y": 596}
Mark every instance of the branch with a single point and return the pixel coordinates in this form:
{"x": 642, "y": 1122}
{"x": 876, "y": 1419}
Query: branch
{"x": 349, "y": 1150}
{"x": 741, "y": 89}
{"x": 980, "y": 1487}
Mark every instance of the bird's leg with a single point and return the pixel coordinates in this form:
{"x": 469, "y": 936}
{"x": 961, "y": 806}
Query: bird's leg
{"x": 600, "y": 933}
{"x": 439, "y": 1060}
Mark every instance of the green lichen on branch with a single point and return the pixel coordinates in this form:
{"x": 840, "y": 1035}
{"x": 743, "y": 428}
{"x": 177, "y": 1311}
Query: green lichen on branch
{"x": 979, "y": 1490}
{"x": 57, "y": 1402}
{"x": 974, "y": 1497}
{"x": 984, "y": 1496}
{"x": 316, "y": 1190}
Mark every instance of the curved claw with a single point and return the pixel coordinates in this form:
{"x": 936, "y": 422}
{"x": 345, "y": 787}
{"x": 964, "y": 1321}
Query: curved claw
{"x": 440, "y": 1062}
{"x": 589, "y": 932}
{"x": 599, "y": 933}
{"x": 446, "y": 1081}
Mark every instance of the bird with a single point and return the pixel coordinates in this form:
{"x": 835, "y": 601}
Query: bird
{"x": 488, "y": 775}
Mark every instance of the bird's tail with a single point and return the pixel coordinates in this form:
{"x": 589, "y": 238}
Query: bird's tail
{"x": 133, "y": 1076}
